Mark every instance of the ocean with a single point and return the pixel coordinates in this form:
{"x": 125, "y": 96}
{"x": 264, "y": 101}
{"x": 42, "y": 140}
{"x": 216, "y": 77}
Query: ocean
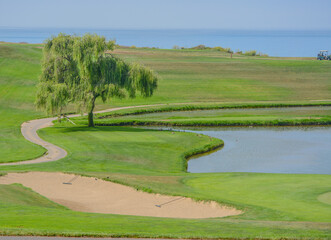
{"x": 274, "y": 43}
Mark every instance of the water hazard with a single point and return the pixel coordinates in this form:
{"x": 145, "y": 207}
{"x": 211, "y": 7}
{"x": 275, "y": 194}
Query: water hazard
{"x": 268, "y": 150}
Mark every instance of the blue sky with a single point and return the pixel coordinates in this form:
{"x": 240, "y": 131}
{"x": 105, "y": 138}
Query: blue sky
{"x": 168, "y": 14}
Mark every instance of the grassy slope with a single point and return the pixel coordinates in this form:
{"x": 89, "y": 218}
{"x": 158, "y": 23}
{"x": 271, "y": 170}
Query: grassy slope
{"x": 124, "y": 154}
{"x": 209, "y": 76}
{"x": 186, "y": 76}
{"x": 19, "y": 69}
{"x": 120, "y": 152}
{"x": 249, "y": 116}
{"x": 18, "y": 195}
{"x": 47, "y": 221}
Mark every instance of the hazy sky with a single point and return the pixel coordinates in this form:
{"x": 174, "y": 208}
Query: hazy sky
{"x": 130, "y": 14}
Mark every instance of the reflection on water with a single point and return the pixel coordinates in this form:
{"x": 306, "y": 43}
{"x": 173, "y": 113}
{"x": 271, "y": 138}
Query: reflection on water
{"x": 268, "y": 150}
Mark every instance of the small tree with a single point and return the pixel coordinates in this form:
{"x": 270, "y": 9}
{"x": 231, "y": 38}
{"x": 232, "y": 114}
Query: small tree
{"x": 77, "y": 69}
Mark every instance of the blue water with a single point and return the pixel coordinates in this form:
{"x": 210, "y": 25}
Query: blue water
{"x": 268, "y": 150}
{"x": 274, "y": 43}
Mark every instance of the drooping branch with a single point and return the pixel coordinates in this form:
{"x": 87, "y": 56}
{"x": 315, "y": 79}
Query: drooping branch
{"x": 76, "y": 69}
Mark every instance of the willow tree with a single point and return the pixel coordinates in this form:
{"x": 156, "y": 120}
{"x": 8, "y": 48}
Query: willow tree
{"x": 59, "y": 74}
{"x": 78, "y": 70}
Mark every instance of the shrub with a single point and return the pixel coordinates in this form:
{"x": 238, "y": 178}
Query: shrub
{"x": 250, "y": 53}
{"x": 228, "y": 50}
{"x": 200, "y": 47}
{"x": 221, "y": 49}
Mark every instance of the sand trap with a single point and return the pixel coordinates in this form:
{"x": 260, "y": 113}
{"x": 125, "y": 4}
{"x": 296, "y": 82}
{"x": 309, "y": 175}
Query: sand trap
{"x": 88, "y": 194}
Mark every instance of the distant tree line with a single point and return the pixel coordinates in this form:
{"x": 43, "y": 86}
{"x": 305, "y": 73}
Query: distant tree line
{"x": 203, "y": 47}
{"x": 221, "y": 49}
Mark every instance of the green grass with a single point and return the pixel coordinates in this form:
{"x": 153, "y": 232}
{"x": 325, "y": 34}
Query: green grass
{"x": 148, "y": 153}
{"x": 128, "y": 150}
{"x": 283, "y": 206}
{"x": 152, "y": 160}
{"x": 18, "y": 195}
{"x": 23, "y": 220}
{"x": 211, "y": 76}
{"x": 325, "y": 198}
{"x": 19, "y": 69}
{"x": 275, "y": 205}
{"x": 225, "y": 116}
{"x": 207, "y": 106}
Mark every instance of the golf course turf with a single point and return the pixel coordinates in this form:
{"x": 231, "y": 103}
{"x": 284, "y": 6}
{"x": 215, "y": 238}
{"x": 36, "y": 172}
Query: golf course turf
{"x": 274, "y": 205}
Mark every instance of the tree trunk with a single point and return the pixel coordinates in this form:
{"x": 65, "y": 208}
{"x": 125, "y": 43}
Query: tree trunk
{"x": 90, "y": 119}
{"x": 90, "y": 114}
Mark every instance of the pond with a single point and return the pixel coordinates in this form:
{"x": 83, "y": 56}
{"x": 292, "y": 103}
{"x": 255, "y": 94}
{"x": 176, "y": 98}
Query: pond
{"x": 267, "y": 150}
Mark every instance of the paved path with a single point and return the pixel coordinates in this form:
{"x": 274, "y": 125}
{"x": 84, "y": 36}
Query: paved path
{"x": 54, "y": 153}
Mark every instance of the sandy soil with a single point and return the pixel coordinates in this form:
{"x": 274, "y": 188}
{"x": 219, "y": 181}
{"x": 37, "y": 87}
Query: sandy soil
{"x": 88, "y": 194}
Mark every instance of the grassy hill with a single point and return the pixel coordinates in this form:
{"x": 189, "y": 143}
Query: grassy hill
{"x": 275, "y": 205}
{"x": 19, "y": 70}
{"x": 186, "y": 76}
{"x": 212, "y": 76}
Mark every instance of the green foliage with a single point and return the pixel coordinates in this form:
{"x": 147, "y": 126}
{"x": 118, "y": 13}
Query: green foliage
{"x": 200, "y": 47}
{"x": 203, "y": 47}
{"x": 60, "y": 74}
{"x": 250, "y": 53}
{"x": 77, "y": 69}
{"x": 226, "y": 50}
{"x": 253, "y": 53}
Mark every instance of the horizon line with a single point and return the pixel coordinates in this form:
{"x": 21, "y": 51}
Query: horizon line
{"x": 147, "y": 28}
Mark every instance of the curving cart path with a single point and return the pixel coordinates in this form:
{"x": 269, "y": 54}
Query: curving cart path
{"x": 54, "y": 153}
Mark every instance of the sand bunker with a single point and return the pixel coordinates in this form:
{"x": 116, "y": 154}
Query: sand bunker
{"x": 88, "y": 194}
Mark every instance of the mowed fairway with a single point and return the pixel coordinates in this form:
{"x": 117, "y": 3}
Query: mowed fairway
{"x": 275, "y": 205}
{"x": 211, "y": 76}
